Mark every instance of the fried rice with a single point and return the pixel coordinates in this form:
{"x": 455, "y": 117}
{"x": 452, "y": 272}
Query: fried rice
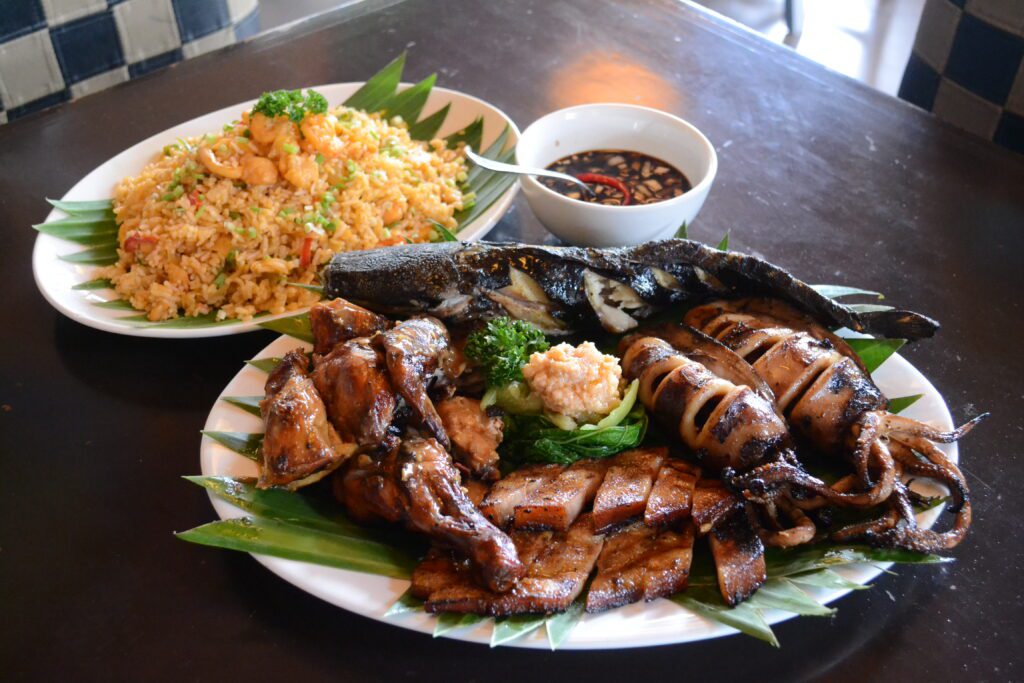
{"x": 196, "y": 238}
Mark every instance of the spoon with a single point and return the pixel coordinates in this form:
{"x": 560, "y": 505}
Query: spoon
{"x": 501, "y": 167}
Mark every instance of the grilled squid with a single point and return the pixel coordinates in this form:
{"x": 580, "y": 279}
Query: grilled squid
{"x": 831, "y": 402}
{"x": 726, "y": 425}
{"x": 722, "y": 411}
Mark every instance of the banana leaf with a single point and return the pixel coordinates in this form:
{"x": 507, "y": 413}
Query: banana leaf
{"x": 250, "y": 404}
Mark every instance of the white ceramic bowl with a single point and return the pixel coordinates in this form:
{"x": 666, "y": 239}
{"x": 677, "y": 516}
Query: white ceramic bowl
{"x": 615, "y": 126}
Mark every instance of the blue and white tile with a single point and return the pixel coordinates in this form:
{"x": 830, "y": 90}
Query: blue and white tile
{"x": 62, "y": 11}
{"x": 1006, "y": 14}
{"x": 212, "y": 41}
{"x": 966, "y": 110}
{"x": 28, "y": 69}
{"x": 936, "y": 32}
{"x": 147, "y": 28}
{"x": 100, "y": 82}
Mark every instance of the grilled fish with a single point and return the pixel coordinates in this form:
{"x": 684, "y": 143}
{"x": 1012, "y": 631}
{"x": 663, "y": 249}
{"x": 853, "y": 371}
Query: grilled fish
{"x": 564, "y": 289}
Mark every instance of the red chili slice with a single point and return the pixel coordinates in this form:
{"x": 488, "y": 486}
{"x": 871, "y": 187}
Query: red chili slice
{"x": 193, "y": 198}
{"x": 307, "y": 252}
{"x": 599, "y": 179}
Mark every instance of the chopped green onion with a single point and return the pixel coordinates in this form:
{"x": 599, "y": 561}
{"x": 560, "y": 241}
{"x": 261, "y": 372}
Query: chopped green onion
{"x": 228, "y": 127}
{"x": 255, "y": 209}
{"x": 234, "y": 215}
{"x": 351, "y": 166}
{"x": 290, "y": 148}
{"x": 200, "y": 211}
{"x": 252, "y": 233}
{"x": 219, "y": 282}
{"x": 246, "y": 133}
{"x": 231, "y": 260}
{"x": 210, "y": 138}
{"x": 320, "y": 158}
{"x": 331, "y": 227}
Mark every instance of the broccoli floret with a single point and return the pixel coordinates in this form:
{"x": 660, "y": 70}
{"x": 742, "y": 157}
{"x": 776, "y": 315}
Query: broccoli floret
{"x": 503, "y": 347}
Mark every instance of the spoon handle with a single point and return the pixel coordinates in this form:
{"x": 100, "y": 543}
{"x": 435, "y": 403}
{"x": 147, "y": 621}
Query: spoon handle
{"x": 502, "y": 167}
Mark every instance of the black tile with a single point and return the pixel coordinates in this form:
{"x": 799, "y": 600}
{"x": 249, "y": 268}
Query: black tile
{"x": 19, "y": 18}
{"x": 87, "y": 47}
{"x": 39, "y": 105}
{"x": 920, "y": 83}
{"x": 984, "y": 59}
{"x": 153, "y": 63}
{"x": 197, "y": 18}
{"x": 1010, "y": 132}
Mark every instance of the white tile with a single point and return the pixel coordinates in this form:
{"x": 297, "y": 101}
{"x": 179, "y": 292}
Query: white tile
{"x": 147, "y": 28}
{"x": 239, "y": 9}
{"x": 28, "y": 69}
{"x": 213, "y": 41}
{"x": 936, "y": 31}
{"x": 99, "y": 82}
{"x": 1006, "y": 14}
{"x": 966, "y": 110}
{"x": 1015, "y": 100}
{"x": 62, "y": 11}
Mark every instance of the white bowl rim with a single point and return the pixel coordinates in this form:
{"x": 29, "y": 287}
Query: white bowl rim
{"x": 708, "y": 178}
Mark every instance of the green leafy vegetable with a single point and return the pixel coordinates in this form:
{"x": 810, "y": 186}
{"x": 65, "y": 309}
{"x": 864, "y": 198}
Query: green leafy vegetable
{"x": 503, "y": 347}
{"x": 290, "y": 103}
{"x": 406, "y": 604}
{"x": 874, "y": 352}
{"x": 535, "y": 438}
{"x": 838, "y": 291}
{"x": 513, "y": 628}
{"x": 898, "y": 405}
{"x": 294, "y": 542}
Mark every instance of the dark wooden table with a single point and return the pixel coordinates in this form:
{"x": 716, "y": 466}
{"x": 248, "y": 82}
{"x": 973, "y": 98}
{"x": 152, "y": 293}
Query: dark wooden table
{"x": 817, "y": 173}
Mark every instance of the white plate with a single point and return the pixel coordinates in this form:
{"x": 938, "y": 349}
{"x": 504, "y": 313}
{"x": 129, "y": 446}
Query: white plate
{"x": 638, "y": 625}
{"x": 55, "y": 277}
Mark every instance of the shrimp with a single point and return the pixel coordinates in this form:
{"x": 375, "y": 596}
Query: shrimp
{"x": 264, "y": 129}
{"x": 213, "y": 165}
{"x": 319, "y": 134}
{"x": 300, "y": 170}
{"x": 257, "y": 170}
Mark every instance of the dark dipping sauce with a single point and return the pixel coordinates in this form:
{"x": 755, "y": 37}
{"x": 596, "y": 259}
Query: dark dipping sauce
{"x": 647, "y": 178}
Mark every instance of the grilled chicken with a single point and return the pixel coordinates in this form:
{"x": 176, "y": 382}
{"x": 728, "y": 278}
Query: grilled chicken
{"x": 475, "y": 489}
{"x": 557, "y": 567}
{"x": 559, "y": 501}
{"x": 516, "y": 489}
{"x": 712, "y": 502}
{"x": 627, "y": 485}
{"x": 334, "y": 322}
{"x": 417, "y": 484}
{"x": 353, "y": 382}
{"x": 418, "y": 354}
{"x": 475, "y": 435}
{"x": 672, "y": 493}
{"x": 639, "y": 562}
{"x": 300, "y": 445}
{"x": 739, "y": 557}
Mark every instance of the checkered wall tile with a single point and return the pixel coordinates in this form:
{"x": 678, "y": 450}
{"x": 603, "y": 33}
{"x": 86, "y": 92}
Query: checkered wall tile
{"x": 967, "y": 67}
{"x": 55, "y": 50}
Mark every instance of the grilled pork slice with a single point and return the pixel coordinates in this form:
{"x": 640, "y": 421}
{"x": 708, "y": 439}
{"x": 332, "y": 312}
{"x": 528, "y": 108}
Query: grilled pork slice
{"x": 557, "y": 503}
{"x": 672, "y": 493}
{"x": 436, "y": 571}
{"x": 712, "y": 503}
{"x": 558, "y": 564}
{"x": 739, "y": 557}
{"x": 334, "y": 322}
{"x": 475, "y": 435}
{"x": 627, "y": 485}
{"x": 300, "y": 445}
{"x": 640, "y": 562}
{"x": 516, "y": 489}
